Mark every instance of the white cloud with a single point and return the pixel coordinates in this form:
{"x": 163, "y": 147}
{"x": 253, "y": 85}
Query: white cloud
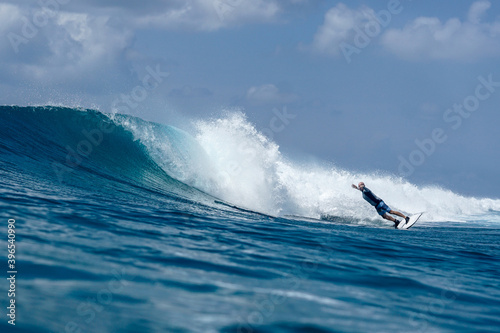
{"x": 269, "y": 93}
{"x": 209, "y": 15}
{"x": 86, "y": 40}
{"x": 338, "y": 27}
{"x": 85, "y": 45}
{"x": 430, "y": 38}
{"x": 9, "y": 14}
{"x": 64, "y": 46}
{"x": 477, "y": 10}
{"x": 197, "y": 15}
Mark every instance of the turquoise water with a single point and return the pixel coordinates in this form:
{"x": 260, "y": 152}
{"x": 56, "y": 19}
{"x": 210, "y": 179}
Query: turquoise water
{"x": 126, "y": 235}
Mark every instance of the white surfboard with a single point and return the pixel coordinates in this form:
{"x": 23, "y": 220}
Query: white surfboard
{"x": 413, "y": 219}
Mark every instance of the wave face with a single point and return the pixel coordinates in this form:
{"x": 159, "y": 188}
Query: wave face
{"x": 226, "y": 158}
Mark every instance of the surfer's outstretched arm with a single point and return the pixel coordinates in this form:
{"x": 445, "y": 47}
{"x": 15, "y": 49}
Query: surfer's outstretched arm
{"x": 354, "y": 186}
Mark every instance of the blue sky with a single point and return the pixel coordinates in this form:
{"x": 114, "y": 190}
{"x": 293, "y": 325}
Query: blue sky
{"x": 364, "y": 112}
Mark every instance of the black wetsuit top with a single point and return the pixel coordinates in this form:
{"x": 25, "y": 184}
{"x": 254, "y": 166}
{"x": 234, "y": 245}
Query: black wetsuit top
{"x": 370, "y": 197}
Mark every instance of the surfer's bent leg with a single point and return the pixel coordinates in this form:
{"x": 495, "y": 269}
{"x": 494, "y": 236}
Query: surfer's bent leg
{"x": 397, "y": 213}
{"x": 389, "y": 217}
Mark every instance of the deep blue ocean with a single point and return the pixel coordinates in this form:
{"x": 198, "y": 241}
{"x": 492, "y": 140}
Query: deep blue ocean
{"x": 124, "y": 225}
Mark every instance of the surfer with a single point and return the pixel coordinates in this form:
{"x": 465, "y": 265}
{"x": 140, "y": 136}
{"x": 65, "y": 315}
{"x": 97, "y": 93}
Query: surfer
{"x": 379, "y": 204}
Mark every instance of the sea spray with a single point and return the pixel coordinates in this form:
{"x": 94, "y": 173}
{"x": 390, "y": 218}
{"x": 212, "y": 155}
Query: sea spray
{"x": 229, "y": 158}
{"x": 242, "y": 166}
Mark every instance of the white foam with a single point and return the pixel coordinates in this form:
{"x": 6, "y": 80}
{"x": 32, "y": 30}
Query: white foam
{"x": 253, "y": 173}
{"x": 242, "y": 166}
